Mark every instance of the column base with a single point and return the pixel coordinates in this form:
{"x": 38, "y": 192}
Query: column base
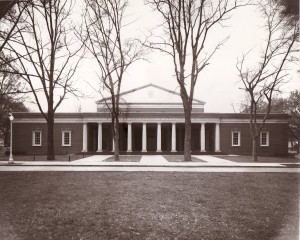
{"x": 99, "y": 151}
{"x": 84, "y": 151}
{"x": 173, "y": 151}
{"x": 10, "y": 160}
{"x": 202, "y": 151}
{"x": 144, "y": 150}
{"x": 217, "y": 150}
{"x": 129, "y": 151}
{"x": 158, "y": 151}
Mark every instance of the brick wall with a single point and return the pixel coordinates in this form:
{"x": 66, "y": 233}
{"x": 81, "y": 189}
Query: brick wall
{"x": 278, "y": 139}
{"x": 22, "y": 138}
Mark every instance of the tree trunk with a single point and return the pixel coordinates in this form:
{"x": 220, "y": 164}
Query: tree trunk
{"x": 254, "y": 150}
{"x": 116, "y": 142}
{"x": 50, "y": 139}
{"x": 187, "y": 137}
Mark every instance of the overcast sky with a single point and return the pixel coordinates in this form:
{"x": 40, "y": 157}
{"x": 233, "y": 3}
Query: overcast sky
{"x": 218, "y": 85}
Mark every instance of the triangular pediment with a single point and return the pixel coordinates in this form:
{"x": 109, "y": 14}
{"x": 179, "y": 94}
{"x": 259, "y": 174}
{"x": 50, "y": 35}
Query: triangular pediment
{"x": 150, "y": 93}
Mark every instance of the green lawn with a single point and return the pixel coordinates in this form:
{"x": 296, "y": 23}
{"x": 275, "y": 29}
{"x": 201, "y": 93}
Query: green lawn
{"x": 148, "y": 205}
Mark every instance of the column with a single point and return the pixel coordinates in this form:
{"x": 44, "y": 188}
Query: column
{"x": 217, "y": 138}
{"x": 84, "y": 138}
{"x": 99, "y": 137}
{"x": 202, "y": 138}
{"x": 129, "y": 138}
{"x": 113, "y": 144}
{"x": 173, "y": 137}
{"x": 158, "y": 138}
{"x": 144, "y": 146}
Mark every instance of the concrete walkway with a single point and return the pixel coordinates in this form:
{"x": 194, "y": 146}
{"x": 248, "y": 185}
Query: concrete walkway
{"x": 153, "y": 160}
{"x": 150, "y": 163}
{"x": 91, "y": 160}
{"x": 213, "y": 160}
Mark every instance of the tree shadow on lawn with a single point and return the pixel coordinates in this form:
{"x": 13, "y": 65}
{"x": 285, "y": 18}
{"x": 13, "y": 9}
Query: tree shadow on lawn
{"x": 243, "y": 158}
{"x": 148, "y": 205}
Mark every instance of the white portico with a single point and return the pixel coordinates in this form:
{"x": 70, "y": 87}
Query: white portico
{"x": 155, "y": 124}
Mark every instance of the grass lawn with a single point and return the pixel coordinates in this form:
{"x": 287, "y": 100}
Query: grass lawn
{"x": 148, "y": 205}
{"x": 261, "y": 159}
{"x": 179, "y": 158}
{"x": 125, "y": 158}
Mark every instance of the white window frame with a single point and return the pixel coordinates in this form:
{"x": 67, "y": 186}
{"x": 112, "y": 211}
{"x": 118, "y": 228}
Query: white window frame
{"x": 267, "y": 139}
{"x": 63, "y": 138}
{"x": 239, "y": 138}
{"x": 33, "y": 138}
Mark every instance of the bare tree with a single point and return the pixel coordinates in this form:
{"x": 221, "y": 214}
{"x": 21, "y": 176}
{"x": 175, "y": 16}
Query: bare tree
{"x": 46, "y": 56}
{"x": 9, "y": 21}
{"x": 263, "y": 80}
{"x": 103, "y": 37}
{"x": 187, "y": 26}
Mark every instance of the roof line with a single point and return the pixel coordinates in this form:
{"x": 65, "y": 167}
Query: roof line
{"x": 145, "y": 86}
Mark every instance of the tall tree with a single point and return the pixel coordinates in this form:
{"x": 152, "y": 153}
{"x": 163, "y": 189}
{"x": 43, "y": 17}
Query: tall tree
{"x": 289, "y": 105}
{"x": 8, "y": 104}
{"x": 11, "y": 99}
{"x": 9, "y": 19}
{"x": 187, "y": 27}
{"x": 263, "y": 80}
{"x": 290, "y": 9}
{"x": 103, "y": 36}
{"x": 46, "y": 55}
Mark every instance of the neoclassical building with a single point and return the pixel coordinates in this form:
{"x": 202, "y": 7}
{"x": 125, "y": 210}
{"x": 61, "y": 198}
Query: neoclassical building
{"x": 153, "y": 125}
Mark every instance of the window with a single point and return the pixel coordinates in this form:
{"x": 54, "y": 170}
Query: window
{"x": 264, "y": 138}
{"x": 236, "y": 138}
{"x": 37, "y": 138}
{"x": 66, "y": 138}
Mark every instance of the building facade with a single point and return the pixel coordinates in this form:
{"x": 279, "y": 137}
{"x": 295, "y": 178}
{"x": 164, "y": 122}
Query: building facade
{"x": 149, "y": 126}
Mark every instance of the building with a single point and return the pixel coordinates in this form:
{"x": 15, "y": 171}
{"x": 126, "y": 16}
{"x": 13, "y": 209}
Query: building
{"x": 149, "y": 126}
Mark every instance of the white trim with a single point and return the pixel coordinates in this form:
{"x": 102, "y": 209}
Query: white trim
{"x": 98, "y": 119}
{"x": 63, "y": 138}
{"x": 267, "y": 139}
{"x": 239, "y": 138}
{"x": 233, "y": 120}
{"x": 33, "y": 138}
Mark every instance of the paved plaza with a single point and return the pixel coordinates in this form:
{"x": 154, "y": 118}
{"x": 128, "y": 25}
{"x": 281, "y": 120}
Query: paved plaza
{"x": 151, "y": 163}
